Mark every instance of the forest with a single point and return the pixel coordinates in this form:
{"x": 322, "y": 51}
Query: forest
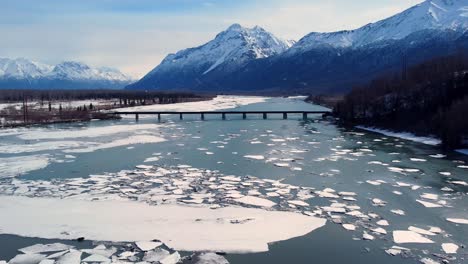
{"x": 427, "y": 99}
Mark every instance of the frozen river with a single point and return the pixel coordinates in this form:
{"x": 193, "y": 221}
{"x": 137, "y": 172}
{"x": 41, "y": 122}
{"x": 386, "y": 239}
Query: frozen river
{"x": 261, "y": 191}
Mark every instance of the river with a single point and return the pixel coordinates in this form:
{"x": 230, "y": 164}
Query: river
{"x": 375, "y": 192}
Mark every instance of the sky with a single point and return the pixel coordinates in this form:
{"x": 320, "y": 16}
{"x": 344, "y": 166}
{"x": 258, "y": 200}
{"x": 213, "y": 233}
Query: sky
{"x": 135, "y": 35}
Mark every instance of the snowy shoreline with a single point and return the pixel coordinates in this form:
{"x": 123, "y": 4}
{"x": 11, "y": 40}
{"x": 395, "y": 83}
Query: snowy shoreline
{"x": 403, "y": 135}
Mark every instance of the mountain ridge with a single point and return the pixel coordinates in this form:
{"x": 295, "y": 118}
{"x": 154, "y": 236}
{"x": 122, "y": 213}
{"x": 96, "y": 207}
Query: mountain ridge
{"x": 24, "y": 73}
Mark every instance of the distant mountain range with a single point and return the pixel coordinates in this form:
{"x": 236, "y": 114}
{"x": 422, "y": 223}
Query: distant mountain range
{"x": 253, "y": 60}
{"x": 26, "y": 74}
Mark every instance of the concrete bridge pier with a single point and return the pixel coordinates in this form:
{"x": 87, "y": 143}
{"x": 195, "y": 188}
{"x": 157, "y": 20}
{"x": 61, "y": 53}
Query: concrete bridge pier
{"x": 264, "y": 115}
{"x": 223, "y": 116}
{"x": 304, "y": 116}
{"x": 244, "y": 115}
{"x": 181, "y": 117}
{"x": 202, "y": 116}
{"x": 285, "y": 115}
{"x": 137, "y": 117}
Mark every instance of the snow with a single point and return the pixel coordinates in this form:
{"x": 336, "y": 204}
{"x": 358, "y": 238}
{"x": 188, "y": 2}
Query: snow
{"x": 187, "y": 228}
{"x": 220, "y": 102}
{"x": 15, "y": 166}
{"x": 22, "y": 68}
{"x": 132, "y": 140}
{"x": 450, "y": 248}
{"x": 88, "y": 132}
{"x": 404, "y": 135}
{"x": 444, "y": 15}
{"x": 235, "y": 46}
{"x": 402, "y": 236}
{"x": 255, "y": 201}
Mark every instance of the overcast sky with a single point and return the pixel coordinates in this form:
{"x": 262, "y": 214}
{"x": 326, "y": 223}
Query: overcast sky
{"x": 135, "y": 35}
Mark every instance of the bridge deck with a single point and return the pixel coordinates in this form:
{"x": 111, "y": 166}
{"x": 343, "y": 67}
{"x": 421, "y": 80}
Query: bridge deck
{"x": 222, "y": 113}
{"x": 217, "y": 112}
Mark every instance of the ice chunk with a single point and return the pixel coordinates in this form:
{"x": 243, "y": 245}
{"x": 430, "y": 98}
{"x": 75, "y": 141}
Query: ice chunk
{"x": 147, "y": 245}
{"x": 428, "y": 204}
{"x": 298, "y": 203}
{"x": 458, "y": 220}
{"x": 27, "y": 259}
{"x": 367, "y": 236}
{"x": 281, "y": 164}
{"x": 428, "y": 261}
{"x": 382, "y": 223}
{"x": 378, "y": 202}
{"x": 403, "y": 236}
{"x": 41, "y": 248}
{"x": 47, "y": 261}
{"x": 255, "y": 157}
{"x": 96, "y": 258}
{"x": 379, "y": 230}
{"x": 398, "y": 212}
{"x": 156, "y": 255}
{"x": 211, "y": 258}
{"x": 349, "y": 227}
{"x": 73, "y": 257}
{"x": 421, "y": 231}
{"x": 256, "y": 201}
{"x": 450, "y": 248}
{"x": 429, "y": 196}
{"x": 171, "y": 259}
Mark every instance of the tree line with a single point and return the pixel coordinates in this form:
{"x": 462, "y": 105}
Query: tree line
{"x": 125, "y": 97}
{"x": 429, "y": 98}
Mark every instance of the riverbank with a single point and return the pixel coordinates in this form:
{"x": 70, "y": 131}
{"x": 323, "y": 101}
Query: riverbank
{"x": 25, "y": 108}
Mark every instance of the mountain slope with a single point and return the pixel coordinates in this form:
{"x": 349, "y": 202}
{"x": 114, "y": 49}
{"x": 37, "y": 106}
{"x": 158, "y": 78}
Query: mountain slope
{"x": 229, "y": 51}
{"x": 440, "y": 15}
{"x": 22, "y": 73}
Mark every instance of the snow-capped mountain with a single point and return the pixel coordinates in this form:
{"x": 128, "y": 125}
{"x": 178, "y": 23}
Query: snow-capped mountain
{"x": 227, "y": 52}
{"x": 253, "y": 60}
{"x": 441, "y": 15}
{"x": 22, "y": 68}
{"x": 23, "y": 73}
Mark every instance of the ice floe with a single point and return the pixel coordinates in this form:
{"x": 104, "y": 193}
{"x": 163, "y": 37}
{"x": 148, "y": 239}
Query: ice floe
{"x": 403, "y": 236}
{"x": 181, "y": 227}
{"x": 450, "y": 248}
{"x": 15, "y": 166}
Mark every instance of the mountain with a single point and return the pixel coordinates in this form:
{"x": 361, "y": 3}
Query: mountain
{"x": 229, "y": 51}
{"x": 441, "y": 15}
{"x": 26, "y": 74}
{"x": 326, "y": 62}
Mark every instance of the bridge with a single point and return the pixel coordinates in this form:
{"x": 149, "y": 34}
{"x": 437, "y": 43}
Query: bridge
{"x": 223, "y": 114}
